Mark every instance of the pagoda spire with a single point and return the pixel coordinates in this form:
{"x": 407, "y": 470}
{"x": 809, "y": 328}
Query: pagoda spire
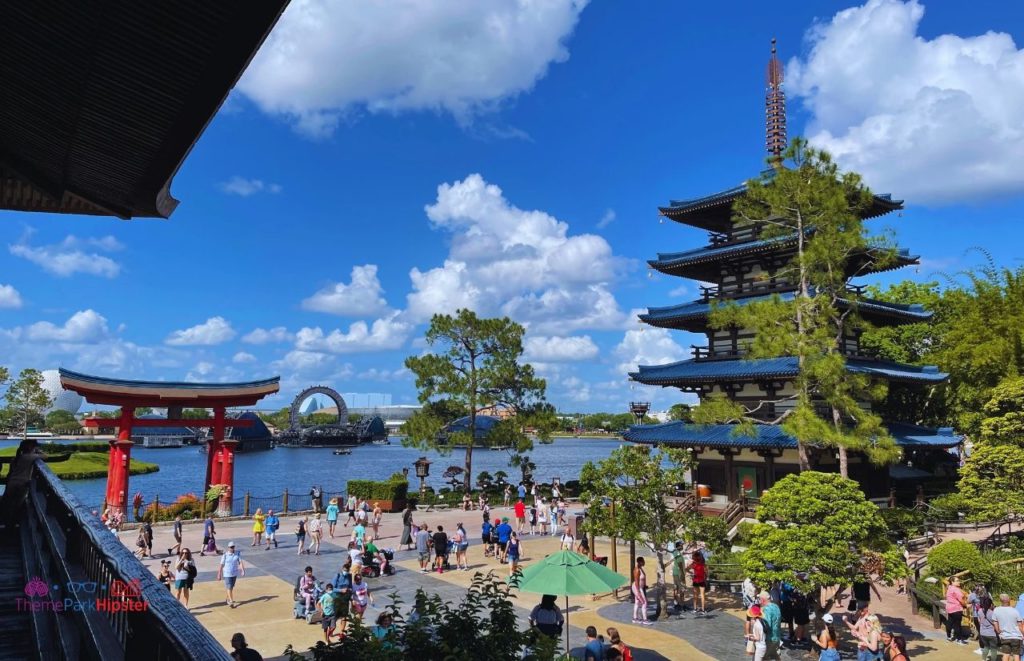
{"x": 775, "y": 111}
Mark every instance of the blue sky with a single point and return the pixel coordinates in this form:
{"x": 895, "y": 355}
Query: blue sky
{"x": 374, "y": 167}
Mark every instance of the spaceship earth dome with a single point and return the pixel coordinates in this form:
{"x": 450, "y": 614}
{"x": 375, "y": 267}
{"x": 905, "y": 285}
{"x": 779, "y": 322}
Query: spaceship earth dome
{"x": 63, "y": 400}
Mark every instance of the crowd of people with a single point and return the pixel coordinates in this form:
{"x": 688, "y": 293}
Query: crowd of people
{"x": 999, "y": 627}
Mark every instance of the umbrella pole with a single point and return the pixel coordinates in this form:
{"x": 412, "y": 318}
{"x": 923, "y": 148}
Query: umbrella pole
{"x": 567, "y": 625}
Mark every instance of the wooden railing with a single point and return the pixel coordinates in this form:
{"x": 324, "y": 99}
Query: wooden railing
{"x": 114, "y": 606}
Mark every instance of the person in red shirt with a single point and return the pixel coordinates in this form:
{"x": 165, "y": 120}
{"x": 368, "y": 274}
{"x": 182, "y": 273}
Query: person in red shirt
{"x": 520, "y": 509}
{"x": 699, "y": 571}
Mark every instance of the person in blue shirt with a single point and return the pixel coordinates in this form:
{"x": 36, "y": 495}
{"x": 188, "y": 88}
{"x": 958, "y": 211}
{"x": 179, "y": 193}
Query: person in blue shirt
{"x": 272, "y": 523}
{"x": 594, "y": 649}
{"x": 485, "y": 537}
{"x": 504, "y": 533}
{"x": 522, "y": 491}
{"x": 332, "y": 515}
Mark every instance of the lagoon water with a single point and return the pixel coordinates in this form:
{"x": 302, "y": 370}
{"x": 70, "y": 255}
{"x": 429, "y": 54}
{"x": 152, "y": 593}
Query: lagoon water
{"x": 268, "y": 473}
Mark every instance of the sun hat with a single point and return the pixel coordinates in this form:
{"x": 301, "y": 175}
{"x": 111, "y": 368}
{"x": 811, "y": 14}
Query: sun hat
{"x": 754, "y": 611}
{"x": 827, "y": 618}
{"x": 231, "y": 545}
{"x": 504, "y": 519}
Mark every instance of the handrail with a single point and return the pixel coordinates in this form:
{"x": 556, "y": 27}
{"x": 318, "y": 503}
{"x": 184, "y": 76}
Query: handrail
{"x": 68, "y": 545}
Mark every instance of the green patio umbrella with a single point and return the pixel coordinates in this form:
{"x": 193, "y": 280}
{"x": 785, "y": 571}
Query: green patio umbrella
{"x": 567, "y": 573}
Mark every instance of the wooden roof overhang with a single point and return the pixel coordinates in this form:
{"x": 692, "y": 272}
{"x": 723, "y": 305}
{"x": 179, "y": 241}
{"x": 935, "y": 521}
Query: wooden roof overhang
{"x": 102, "y": 101}
{"x": 120, "y": 392}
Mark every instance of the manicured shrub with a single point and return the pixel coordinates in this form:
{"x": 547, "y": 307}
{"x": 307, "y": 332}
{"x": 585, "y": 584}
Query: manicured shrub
{"x": 957, "y": 555}
{"x": 903, "y": 523}
{"x": 948, "y": 507}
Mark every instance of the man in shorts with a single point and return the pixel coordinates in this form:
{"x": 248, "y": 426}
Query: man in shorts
{"x": 231, "y": 567}
{"x": 326, "y": 607}
{"x": 440, "y": 542}
{"x": 520, "y": 509}
{"x": 423, "y": 548}
{"x": 504, "y": 533}
{"x": 1009, "y": 629}
{"x": 679, "y": 574}
{"x": 350, "y": 505}
{"x": 273, "y": 523}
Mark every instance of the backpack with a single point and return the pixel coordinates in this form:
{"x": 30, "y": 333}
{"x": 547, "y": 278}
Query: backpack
{"x": 627, "y": 654}
{"x": 192, "y": 571}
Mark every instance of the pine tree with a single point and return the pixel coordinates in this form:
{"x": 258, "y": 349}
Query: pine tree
{"x": 27, "y": 399}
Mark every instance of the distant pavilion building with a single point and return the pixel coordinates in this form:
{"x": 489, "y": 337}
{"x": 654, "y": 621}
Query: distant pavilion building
{"x": 743, "y": 268}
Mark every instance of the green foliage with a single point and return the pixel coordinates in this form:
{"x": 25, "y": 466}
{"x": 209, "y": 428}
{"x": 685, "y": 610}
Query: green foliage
{"x": 681, "y": 412}
{"x": 89, "y": 466}
{"x": 195, "y": 414}
{"x": 992, "y": 482}
{"x": 61, "y": 422}
{"x": 903, "y": 523}
{"x": 475, "y": 364}
{"x": 744, "y": 533}
{"x": 1004, "y": 413}
{"x": 708, "y": 529}
{"x": 947, "y": 507}
{"x": 726, "y": 566}
{"x": 395, "y": 489}
{"x": 27, "y": 399}
{"x": 803, "y": 518}
{"x": 957, "y": 555}
{"x": 187, "y": 506}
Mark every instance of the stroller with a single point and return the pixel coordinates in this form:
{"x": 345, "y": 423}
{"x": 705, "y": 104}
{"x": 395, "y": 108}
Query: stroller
{"x": 448, "y": 552}
{"x": 299, "y": 608}
{"x": 372, "y": 566}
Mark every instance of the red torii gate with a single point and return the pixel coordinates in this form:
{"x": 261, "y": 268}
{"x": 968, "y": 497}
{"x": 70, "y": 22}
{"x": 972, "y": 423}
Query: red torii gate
{"x": 130, "y": 395}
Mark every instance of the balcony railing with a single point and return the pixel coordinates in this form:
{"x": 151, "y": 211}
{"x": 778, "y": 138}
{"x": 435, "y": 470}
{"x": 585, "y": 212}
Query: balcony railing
{"x": 114, "y": 606}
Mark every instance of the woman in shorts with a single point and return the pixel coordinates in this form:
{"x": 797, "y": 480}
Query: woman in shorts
{"x": 514, "y": 550}
{"x": 184, "y": 574}
{"x": 699, "y": 572}
{"x": 361, "y": 596}
{"x": 300, "y": 534}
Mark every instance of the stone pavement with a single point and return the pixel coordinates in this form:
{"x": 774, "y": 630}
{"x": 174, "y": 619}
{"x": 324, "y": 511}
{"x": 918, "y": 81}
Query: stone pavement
{"x": 265, "y": 595}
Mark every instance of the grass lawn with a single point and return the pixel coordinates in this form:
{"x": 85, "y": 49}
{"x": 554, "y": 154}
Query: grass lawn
{"x": 80, "y": 465}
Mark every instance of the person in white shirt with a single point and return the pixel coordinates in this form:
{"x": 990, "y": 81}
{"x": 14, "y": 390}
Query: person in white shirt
{"x": 568, "y": 540}
{"x": 1009, "y": 628}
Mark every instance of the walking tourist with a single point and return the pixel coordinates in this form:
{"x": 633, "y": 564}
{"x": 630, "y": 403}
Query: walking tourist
{"x": 231, "y": 567}
{"x": 755, "y": 635}
{"x": 385, "y": 626}
{"x": 242, "y": 651}
{"x": 861, "y": 594}
{"x": 461, "y": 540}
{"x": 594, "y": 649}
{"x": 342, "y": 607}
{"x": 184, "y": 576}
{"x": 772, "y": 617}
{"x": 325, "y": 606}
{"x": 533, "y": 519}
{"x": 553, "y": 516}
{"x": 826, "y": 640}
{"x": 140, "y": 543}
{"x": 749, "y": 592}
{"x": 987, "y": 630}
{"x": 350, "y": 506}
{"x": 504, "y": 533}
{"x": 956, "y": 602}
{"x": 555, "y": 493}
{"x": 361, "y": 597}
{"x": 506, "y": 496}
{"x": 407, "y": 540}
{"x": 800, "y": 612}
{"x": 894, "y": 647}
{"x": 521, "y": 490}
{"x": 423, "y": 547}
{"x": 485, "y": 510}
{"x": 869, "y": 639}
{"x": 615, "y": 641}
{"x": 440, "y": 543}
{"x": 258, "y": 527}
{"x": 1009, "y": 627}
{"x": 973, "y": 604}
{"x": 546, "y": 617}
{"x": 520, "y": 512}
{"x": 358, "y": 534}
{"x": 209, "y": 536}
{"x": 315, "y": 527}
{"x": 567, "y": 540}
{"x": 699, "y": 574}
{"x": 514, "y": 550}
{"x": 332, "y": 516}
{"x": 165, "y": 576}
{"x": 485, "y": 538}
{"x": 638, "y": 586}
{"x": 542, "y": 517}
{"x": 176, "y": 532}
{"x": 315, "y": 499}
{"x": 147, "y": 535}
{"x": 583, "y": 548}
{"x": 272, "y": 523}
{"x": 362, "y": 511}
{"x": 375, "y": 518}
{"x": 300, "y": 534}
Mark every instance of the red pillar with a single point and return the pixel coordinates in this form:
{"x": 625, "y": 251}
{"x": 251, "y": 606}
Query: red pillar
{"x": 224, "y": 469}
{"x": 119, "y": 463}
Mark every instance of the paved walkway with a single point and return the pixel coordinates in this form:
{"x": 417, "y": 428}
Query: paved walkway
{"x": 265, "y": 596}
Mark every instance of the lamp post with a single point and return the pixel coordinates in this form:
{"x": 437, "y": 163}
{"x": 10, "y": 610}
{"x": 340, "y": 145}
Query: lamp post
{"x": 422, "y": 466}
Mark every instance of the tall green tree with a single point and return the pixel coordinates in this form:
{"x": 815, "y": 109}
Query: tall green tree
{"x": 683, "y": 412}
{"x": 819, "y": 209}
{"x": 636, "y": 479}
{"x": 473, "y": 363}
{"x": 992, "y": 481}
{"x": 27, "y": 399}
{"x": 818, "y": 529}
{"x": 61, "y": 422}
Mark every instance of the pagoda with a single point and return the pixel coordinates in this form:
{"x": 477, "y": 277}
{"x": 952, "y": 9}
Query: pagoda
{"x": 737, "y": 266}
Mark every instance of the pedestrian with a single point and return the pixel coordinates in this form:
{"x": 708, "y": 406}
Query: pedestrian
{"x": 147, "y": 534}
{"x": 553, "y": 516}
{"x": 826, "y": 640}
{"x": 506, "y": 496}
{"x": 358, "y": 534}
{"x": 679, "y": 573}
{"x": 258, "y": 527}
{"x": 385, "y": 627}
{"x": 184, "y": 576}
{"x": 342, "y": 607}
{"x": 19, "y": 477}
{"x": 755, "y": 634}
{"x": 485, "y": 511}
{"x": 361, "y": 597}
{"x": 594, "y": 649}
{"x": 350, "y": 505}
{"x": 316, "y": 531}
{"x": 407, "y": 527}
{"x": 242, "y": 652}
{"x": 300, "y": 534}
{"x": 542, "y": 517}
{"x": 956, "y": 602}
{"x": 546, "y": 617}
{"x": 987, "y": 631}
{"x": 325, "y": 605}
{"x": 307, "y": 589}
{"x": 375, "y": 518}
{"x": 521, "y": 490}
{"x": 772, "y": 616}
{"x": 423, "y": 547}
{"x": 362, "y": 512}
{"x": 555, "y": 493}
{"x": 567, "y": 540}
{"x": 316, "y": 499}
{"x": 895, "y": 647}
{"x": 332, "y": 516}
{"x": 520, "y": 512}
{"x": 485, "y": 538}
{"x": 861, "y": 594}
{"x": 615, "y": 640}
{"x": 638, "y": 586}
{"x": 231, "y": 567}
{"x": 513, "y": 551}
{"x": 583, "y": 548}
{"x": 504, "y": 533}
{"x": 272, "y": 523}
{"x": 801, "y": 615}
{"x": 1009, "y": 627}
{"x": 461, "y": 540}
{"x": 749, "y": 592}
{"x": 869, "y": 639}
{"x": 973, "y": 604}
{"x": 440, "y": 542}
{"x": 140, "y": 543}
{"x": 176, "y": 532}
{"x": 165, "y": 576}
{"x": 699, "y": 574}
{"x": 209, "y": 533}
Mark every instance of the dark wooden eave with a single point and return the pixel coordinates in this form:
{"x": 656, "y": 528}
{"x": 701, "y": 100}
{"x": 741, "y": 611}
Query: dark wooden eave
{"x": 101, "y": 101}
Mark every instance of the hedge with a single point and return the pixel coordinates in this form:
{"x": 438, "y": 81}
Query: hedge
{"x": 394, "y": 489}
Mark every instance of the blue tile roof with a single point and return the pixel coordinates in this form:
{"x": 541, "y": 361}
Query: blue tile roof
{"x": 703, "y": 371}
{"x": 770, "y": 436}
{"x": 698, "y": 310}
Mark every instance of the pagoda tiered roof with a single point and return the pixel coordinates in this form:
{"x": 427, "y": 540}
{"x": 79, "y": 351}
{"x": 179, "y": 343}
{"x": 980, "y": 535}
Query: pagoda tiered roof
{"x": 693, "y": 316}
{"x": 701, "y": 263}
{"x": 766, "y": 437}
{"x": 698, "y": 372}
{"x": 714, "y": 212}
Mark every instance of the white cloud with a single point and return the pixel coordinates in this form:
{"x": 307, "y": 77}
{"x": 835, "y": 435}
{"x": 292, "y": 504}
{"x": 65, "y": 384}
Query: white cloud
{"x": 559, "y": 349}
{"x": 933, "y": 120}
{"x": 267, "y": 336}
{"x": 215, "y": 330}
{"x": 325, "y": 59}
{"x": 67, "y": 258}
{"x": 607, "y": 219}
{"x": 245, "y": 187}
{"x": 681, "y": 290}
{"x": 647, "y": 346}
{"x": 83, "y": 327}
{"x": 384, "y": 334}
{"x": 506, "y": 260}
{"x": 243, "y": 357}
{"x": 374, "y": 374}
{"x": 9, "y": 297}
{"x": 361, "y": 297}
